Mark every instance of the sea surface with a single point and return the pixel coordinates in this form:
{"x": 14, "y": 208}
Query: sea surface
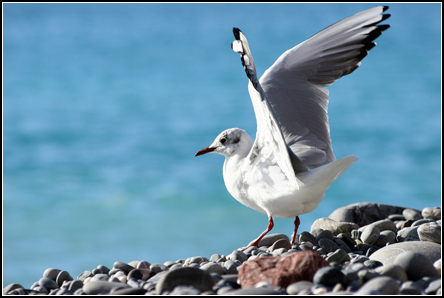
{"x": 105, "y": 105}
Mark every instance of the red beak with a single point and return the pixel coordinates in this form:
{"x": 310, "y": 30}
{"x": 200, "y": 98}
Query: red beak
{"x": 205, "y": 150}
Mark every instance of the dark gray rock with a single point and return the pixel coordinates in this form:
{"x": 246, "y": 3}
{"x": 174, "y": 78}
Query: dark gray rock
{"x": 211, "y": 267}
{"x": 365, "y": 213}
{"x": 329, "y": 277}
{"x": 328, "y": 245}
{"x": 238, "y": 255}
{"x": 128, "y": 291}
{"x": 411, "y": 214}
{"x": 269, "y": 239}
{"x": 48, "y": 283}
{"x": 63, "y": 276}
{"x": 253, "y": 291}
{"x": 416, "y": 265}
{"x": 306, "y": 236}
{"x": 339, "y": 256}
{"x": 75, "y": 285}
{"x": 186, "y": 276}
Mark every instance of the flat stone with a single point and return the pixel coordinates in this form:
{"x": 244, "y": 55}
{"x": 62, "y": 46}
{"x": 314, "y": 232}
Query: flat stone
{"x": 269, "y": 239}
{"x": 430, "y": 232}
{"x": 296, "y": 287}
{"x": 411, "y": 214}
{"x": 128, "y": 291}
{"x": 387, "y": 254}
{"x": 365, "y": 213}
{"x": 335, "y": 226}
{"x": 211, "y": 267}
{"x": 186, "y": 276}
{"x": 306, "y": 236}
{"x": 416, "y": 265}
{"x": 253, "y": 291}
{"x": 102, "y": 287}
{"x": 281, "y": 270}
{"x": 383, "y": 285}
{"x": 329, "y": 277}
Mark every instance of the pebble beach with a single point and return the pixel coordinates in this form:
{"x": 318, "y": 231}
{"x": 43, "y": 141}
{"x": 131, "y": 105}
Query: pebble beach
{"x": 361, "y": 249}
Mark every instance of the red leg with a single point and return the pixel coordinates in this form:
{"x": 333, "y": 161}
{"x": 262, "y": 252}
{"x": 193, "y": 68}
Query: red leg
{"x": 296, "y": 226}
{"x": 256, "y": 242}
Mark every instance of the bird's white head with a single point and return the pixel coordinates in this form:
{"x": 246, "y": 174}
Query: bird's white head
{"x": 229, "y": 142}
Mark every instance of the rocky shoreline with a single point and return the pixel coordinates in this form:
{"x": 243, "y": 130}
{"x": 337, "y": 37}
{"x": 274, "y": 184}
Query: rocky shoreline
{"x": 362, "y": 249}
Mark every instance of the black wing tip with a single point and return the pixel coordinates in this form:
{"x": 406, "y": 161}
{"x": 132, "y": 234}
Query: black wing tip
{"x": 384, "y": 8}
{"x": 236, "y": 33}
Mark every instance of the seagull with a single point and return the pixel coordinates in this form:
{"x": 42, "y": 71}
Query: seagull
{"x": 287, "y": 169}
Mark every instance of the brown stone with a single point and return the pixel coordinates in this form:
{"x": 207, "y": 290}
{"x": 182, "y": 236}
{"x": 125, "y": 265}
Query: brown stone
{"x": 281, "y": 270}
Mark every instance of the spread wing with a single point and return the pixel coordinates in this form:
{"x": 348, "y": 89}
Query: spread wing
{"x": 295, "y": 84}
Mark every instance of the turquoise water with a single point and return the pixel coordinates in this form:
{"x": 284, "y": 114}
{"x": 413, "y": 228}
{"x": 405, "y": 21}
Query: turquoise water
{"x": 105, "y": 105}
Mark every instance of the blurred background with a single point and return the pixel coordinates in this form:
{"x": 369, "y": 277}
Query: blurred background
{"x": 105, "y": 105}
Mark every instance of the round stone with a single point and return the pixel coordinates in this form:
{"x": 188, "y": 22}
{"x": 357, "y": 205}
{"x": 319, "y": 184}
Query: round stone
{"x": 336, "y": 227}
{"x": 51, "y": 273}
{"x": 394, "y": 271}
{"x": 370, "y": 234}
{"x": 410, "y": 288}
{"x": 339, "y": 256}
{"x": 296, "y": 287}
{"x": 211, "y": 267}
{"x": 187, "y": 276}
{"x": 84, "y": 275}
{"x": 143, "y": 265}
{"x": 383, "y": 285}
{"x": 238, "y": 255}
{"x": 416, "y": 265}
{"x": 75, "y": 285}
{"x": 432, "y": 213}
{"x": 156, "y": 268}
{"x": 325, "y": 234}
{"x": 306, "y": 236}
{"x": 430, "y": 232}
{"x": 329, "y": 276}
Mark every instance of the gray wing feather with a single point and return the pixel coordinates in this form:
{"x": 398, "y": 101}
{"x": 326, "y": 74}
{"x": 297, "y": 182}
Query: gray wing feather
{"x": 295, "y": 83}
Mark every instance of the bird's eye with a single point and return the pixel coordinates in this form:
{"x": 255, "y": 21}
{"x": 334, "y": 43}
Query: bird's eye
{"x": 223, "y": 140}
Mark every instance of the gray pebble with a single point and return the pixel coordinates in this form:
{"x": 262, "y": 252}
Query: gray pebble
{"x": 382, "y": 240}
{"x": 421, "y": 221}
{"x": 102, "y": 287}
{"x": 408, "y": 234}
{"x": 253, "y": 291}
{"x": 269, "y": 239}
{"x": 100, "y": 276}
{"x": 396, "y": 217}
{"x": 216, "y": 257}
{"x": 342, "y": 245}
{"x": 416, "y": 265}
{"x": 51, "y": 273}
{"x": 75, "y": 285}
{"x": 372, "y": 264}
{"x": 84, "y": 275}
{"x": 327, "y": 245}
{"x": 211, "y": 267}
{"x": 156, "y": 268}
{"x": 394, "y": 271}
{"x": 231, "y": 266}
{"x": 185, "y": 290}
{"x": 339, "y": 256}
{"x": 385, "y": 224}
{"x": 123, "y": 266}
{"x": 128, "y": 291}
{"x": 382, "y": 285}
{"x": 411, "y": 214}
{"x": 63, "y": 276}
{"x": 238, "y": 255}
{"x": 327, "y": 234}
{"x": 185, "y": 276}
{"x": 388, "y": 254}
{"x": 410, "y": 288}
{"x": 430, "y": 232}
{"x": 370, "y": 234}
{"x": 281, "y": 243}
{"x": 295, "y": 288}
{"x": 356, "y": 234}
{"x": 433, "y": 287}
{"x": 306, "y": 236}
{"x": 103, "y": 269}
{"x": 366, "y": 274}
{"x": 329, "y": 276}
{"x": 250, "y": 251}
{"x": 143, "y": 265}
{"x": 48, "y": 283}
{"x": 11, "y": 287}
{"x": 432, "y": 213}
